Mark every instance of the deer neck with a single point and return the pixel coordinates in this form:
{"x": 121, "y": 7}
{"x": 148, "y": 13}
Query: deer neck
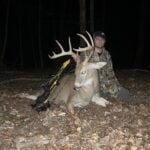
{"x": 90, "y": 86}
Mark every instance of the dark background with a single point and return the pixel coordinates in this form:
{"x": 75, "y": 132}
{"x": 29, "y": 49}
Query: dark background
{"x": 28, "y": 30}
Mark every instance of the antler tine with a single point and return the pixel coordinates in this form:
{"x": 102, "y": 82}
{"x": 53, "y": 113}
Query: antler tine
{"x": 70, "y": 46}
{"x": 84, "y": 38}
{"x": 63, "y": 52}
{"x": 61, "y": 47}
{"x": 91, "y": 39}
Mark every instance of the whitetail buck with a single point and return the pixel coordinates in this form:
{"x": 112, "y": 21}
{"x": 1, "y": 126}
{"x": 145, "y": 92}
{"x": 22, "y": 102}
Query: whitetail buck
{"x": 77, "y": 90}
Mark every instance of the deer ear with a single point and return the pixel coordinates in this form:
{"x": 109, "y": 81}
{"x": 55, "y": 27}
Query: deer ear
{"x": 98, "y": 65}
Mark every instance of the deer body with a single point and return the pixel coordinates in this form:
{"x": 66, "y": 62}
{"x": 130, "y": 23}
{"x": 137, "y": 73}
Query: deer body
{"x": 77, "y": 90}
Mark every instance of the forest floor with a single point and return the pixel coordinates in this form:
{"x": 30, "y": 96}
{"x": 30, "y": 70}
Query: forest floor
{"x": 124, "y": 125}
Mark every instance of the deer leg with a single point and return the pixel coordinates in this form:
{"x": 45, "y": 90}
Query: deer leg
{"x": 100, "y": 101}
{"x": 70, "y": 108}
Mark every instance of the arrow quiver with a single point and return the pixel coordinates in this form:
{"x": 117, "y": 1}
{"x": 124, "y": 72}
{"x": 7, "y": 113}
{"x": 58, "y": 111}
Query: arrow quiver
{"x": 54, "y": 80}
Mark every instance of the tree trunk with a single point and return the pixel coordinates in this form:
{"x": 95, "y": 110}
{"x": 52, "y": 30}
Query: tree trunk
{"x": 82, "y": 19}
{"x": 61, "y": 23}
{"x": 1, "y": 43}
{"x": 21, "y": 48}
{"x": 141, "y": 35}
{"x": 82, "y": 15}
{"x": 92, "y": 16}
{"x": 33, "y": 49}
{"x": 39, "y": 37}
{"x": 2, "y": 55}
{"x": 20, "y": 35}
{"x": 103, "y": 14}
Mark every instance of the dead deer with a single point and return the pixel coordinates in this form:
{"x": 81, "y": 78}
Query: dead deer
{"x": 79, "y": 89}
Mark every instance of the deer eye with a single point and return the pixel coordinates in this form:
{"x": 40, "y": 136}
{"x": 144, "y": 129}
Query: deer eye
{"x": 83, "y": 72}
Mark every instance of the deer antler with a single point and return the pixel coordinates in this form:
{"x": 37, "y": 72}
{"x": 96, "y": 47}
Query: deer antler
{"x": 70, "y": 52}
{"x": 63, "y": 52}
{"x": 89, "y": 46}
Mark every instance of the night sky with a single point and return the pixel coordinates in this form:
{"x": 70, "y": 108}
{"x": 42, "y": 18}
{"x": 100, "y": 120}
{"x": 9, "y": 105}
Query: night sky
{"x": 28, "y": 30}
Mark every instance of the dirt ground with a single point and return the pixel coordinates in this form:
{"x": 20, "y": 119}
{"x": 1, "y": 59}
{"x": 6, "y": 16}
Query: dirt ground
{"x": 124, "y": 125}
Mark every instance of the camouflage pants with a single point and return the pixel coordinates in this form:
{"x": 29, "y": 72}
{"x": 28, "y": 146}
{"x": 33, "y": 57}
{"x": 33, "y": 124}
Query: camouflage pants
{"x": 109, "y": 89}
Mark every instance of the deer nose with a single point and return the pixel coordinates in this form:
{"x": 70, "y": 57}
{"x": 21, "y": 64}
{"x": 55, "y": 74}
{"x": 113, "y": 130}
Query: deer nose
{"x": 77, "y": 85}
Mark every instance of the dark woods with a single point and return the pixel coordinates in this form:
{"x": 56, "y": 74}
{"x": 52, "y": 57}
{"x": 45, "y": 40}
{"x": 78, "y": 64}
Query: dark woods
{"x": 28, "y": 30}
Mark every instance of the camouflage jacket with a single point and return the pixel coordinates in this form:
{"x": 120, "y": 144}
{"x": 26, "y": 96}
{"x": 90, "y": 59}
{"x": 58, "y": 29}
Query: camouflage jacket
{"x": 108, "y": 83}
